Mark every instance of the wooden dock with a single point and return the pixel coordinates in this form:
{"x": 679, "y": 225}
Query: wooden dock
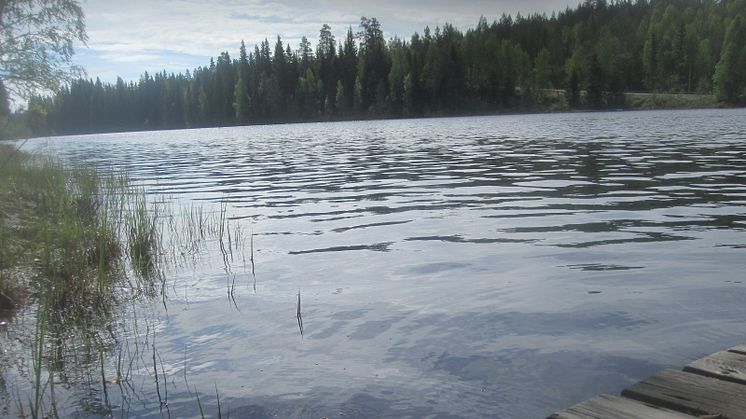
{"x": 713, "y": 387}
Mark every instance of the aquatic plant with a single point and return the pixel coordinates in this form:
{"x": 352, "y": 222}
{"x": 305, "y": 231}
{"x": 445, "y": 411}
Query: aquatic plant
{"x": 143, "y": 237}
{"x": 77, "y": 245}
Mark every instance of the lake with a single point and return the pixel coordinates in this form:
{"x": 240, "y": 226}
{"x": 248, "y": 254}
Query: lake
{"x": 502, "y": 266}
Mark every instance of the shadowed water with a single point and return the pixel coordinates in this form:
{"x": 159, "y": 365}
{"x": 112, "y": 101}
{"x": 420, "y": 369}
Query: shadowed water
{"x": 465, "y": 267}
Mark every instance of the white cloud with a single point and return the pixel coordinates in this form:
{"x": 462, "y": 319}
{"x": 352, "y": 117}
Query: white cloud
{"x": 130, "y": 58}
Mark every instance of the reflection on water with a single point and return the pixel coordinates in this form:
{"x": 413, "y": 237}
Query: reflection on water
{"x": 495, "y": 266}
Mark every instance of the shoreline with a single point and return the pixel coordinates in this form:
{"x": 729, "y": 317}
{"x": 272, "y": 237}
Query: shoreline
{"x": 633, "y": 101}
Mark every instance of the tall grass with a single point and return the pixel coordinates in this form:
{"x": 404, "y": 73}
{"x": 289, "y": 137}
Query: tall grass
{"x": 142, "y": 228}
{"x": 68, "y": 235}
{"x": 77, "y": 244}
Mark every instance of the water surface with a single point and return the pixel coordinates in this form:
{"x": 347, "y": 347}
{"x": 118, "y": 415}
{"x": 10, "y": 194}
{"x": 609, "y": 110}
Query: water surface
{"x": 501, "y": 266}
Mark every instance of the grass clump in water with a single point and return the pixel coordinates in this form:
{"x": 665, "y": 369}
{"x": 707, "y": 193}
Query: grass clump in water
{"x": 75, "y": 244}
{"x": 69, "y": 236}
{"x": 61, "y": 231}
{"x": 143, "y": 238}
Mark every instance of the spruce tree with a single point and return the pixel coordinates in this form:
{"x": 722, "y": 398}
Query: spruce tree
{"x": 730, "y": 72}
{"x": 595, "y": 83}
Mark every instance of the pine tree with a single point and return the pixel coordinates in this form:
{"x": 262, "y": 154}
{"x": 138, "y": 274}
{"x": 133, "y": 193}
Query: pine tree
{"x": 595, "y": 83}
{"x": 650, "y": 61}
{"x": 373, "y": 64}
{"x": 326, "y": 57}
{"x": 241, "y": 103}
{"x": 543, "y": 70}
{"x": 305, "y": 52}
{"x": 342, "y": 109}
{"x": 730, "y": 72}
{"x": 664, "y": 45}
{"x": 574, "y": 88}
{"x": 348, "y": 71}
{"x": 241, "y": 88}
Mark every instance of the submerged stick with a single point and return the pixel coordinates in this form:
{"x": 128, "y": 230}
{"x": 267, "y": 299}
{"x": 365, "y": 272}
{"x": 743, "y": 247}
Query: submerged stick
{"x": 199, "y": 403}
{"x": 231, "y": 293}
{"x": 165, "y": 382}
{"x": 253, "y": 267}
{"x": 157, "y": 383}
{"x": 299, "y": 316}
{"x": 186, "y": 382}
{"x": 103, "y": 377}
{"x": 217, "y": 396}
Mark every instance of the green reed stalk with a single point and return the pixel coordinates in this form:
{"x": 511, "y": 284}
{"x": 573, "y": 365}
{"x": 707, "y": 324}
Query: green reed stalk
{"x": 41, "y": 330}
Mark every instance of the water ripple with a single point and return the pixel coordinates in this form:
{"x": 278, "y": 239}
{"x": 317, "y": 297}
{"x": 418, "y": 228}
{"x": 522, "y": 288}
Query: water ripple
{"x": 453, "y": 267}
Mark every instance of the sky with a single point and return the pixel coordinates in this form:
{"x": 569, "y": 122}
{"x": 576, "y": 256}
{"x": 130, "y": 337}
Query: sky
{"x": 128, "y": 38}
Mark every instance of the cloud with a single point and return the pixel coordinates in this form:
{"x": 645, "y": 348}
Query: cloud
{"x": 178, "y": 33}
{"x": 131, "y": 58}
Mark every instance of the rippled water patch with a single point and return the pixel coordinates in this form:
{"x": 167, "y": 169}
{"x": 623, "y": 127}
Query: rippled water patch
{"x": 494, "y": 266}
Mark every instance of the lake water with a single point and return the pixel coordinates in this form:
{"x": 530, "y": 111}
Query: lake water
{"x": 503, "y": 266}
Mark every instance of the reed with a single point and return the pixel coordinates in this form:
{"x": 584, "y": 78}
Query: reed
{"x": 72, "y": 238}
{"x": 63, "y": 251}
{"x": 36, "y": 404}
{"x": 199, "y": 404}
{"x": 217, "y": 397}
{"x": 143, "y": 237}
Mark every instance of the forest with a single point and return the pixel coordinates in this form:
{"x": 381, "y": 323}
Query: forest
{"x": 580, "y": 58}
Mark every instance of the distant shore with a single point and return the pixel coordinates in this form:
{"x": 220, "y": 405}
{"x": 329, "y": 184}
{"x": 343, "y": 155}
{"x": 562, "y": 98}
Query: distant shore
{"x": 555, "y": 101}
{"x": 649, "y": 101}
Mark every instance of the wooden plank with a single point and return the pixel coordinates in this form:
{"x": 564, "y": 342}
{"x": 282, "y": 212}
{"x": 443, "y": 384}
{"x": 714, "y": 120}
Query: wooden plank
{"x": 692, "y": 394}
{"x": 739, "y": 349}
{"x": 725, "y": 365}
{"x": 613, "y": 407}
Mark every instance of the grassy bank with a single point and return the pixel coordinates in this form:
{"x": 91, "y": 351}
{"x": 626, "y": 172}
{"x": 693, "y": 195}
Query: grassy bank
{"x": 559, "y": 101}
{"x": 669, "y": 101}
{"x": 67, "y": 236}
{"x": 77, "y": 245}
{"x": 63, "y": 232}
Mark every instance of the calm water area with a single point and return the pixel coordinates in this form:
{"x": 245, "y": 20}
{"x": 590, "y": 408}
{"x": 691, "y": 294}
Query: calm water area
{"x": 503, "y": 266}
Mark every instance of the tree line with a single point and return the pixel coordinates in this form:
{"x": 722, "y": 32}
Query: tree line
{"x": 582, "y": 57}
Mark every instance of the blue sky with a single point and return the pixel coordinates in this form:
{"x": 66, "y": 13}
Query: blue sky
{"x": 128, "y": 38}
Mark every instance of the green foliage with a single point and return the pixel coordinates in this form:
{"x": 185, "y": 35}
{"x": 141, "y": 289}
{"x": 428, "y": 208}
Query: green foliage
{"x": 78, "y": 246}
{"x": 36, "y": 44}
{"x": 595, "y": 83}
{"x": 373, "y": 64}
{"x": 668, "y": 101}
{"x": 543, "y": 70}
{"x": 327, "y": 70}
{"x": 307, "y": 95}
{"x": 241, "y": 104}
{"x": 341, "y": 100}
{"x": 64, "y": 217}
{"x": 143, "y": 238}
{"x": 730, "y": 72}
{"x": 13, "y": 127}
{"x": 4, "y": 101}
{"x": 396, "y": 77}
{"x": 593, "y": 52}
{"x": 574, "y": 89}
